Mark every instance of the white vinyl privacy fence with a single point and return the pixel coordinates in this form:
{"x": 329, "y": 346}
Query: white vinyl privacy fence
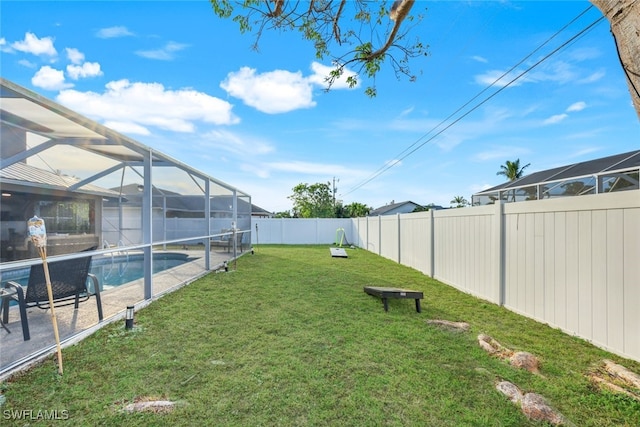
{"x": 573, "y": 263}
{"x": 299, "y": 231}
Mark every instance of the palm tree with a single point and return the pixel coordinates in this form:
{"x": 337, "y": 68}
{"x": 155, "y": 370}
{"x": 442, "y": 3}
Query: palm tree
{"x": 459, "y": 201}
{"x": 512, "y": 170}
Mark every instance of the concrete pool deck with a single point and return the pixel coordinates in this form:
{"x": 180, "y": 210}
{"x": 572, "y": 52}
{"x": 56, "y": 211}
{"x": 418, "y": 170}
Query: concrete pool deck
{"x": 73, "y": 325}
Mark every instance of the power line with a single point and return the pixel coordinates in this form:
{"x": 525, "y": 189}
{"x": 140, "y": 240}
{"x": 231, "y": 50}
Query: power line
{"x": 401, "y": 156}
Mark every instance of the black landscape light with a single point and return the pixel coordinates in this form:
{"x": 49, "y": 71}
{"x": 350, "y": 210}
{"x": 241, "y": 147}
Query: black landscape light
{"x": 128, "y": 323}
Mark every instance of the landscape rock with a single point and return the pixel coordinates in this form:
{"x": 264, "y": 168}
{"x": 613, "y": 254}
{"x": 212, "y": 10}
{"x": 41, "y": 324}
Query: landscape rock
{"x": 619, "y": 371}
{"x": 535, "y": 407}
{"x": 492, "y": 346}
{"x": 525, "y": 360}
{"x": 617, "y": 379}
{"x": 518, "y": 359}
{"x": 510, "y": 390}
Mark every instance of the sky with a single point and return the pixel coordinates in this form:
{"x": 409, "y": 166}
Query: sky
{"x": 175, "y": 77}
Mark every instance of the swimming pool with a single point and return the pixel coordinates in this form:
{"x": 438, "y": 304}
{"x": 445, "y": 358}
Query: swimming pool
{"x": 119, "y": 269}
{"x": 114, "y": 270}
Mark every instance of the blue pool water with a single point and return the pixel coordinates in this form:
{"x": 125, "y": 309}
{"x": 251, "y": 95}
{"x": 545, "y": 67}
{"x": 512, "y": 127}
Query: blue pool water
{"x": 116, "y": 270}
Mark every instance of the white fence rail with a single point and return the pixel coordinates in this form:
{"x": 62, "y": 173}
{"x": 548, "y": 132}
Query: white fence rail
{"x": 573, "y": 263}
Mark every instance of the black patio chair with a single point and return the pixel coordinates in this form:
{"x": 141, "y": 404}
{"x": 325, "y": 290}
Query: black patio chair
{"x": 68, "y": 284}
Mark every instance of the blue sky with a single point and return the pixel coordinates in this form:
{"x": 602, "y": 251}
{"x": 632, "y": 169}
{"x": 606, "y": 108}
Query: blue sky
{"x": 173, "y": 76}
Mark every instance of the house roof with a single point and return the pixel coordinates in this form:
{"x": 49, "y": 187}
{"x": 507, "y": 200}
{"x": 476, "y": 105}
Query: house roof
{"x": 392, "y": 206}
{"x": 259, "y": 211}
{"x": 179, "y": 202}
{"x": 30, "y": 176}
{"x": 615, "y": 163}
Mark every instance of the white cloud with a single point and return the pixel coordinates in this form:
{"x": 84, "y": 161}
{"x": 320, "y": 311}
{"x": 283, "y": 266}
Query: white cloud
{"x": 127, "y": 128}
{"x": 35, "y": 46}
{"x": 593, "y": 77}
{"x": 113, "y": 32}
{"x": 50, "y": 79}
{"x": 479, "y": 59}
{"x": 501, "y": 153}
{"x": 236, "y": 144}
{"x": 490, "y": 155}
{"x": 559, "y": 71}
{"x": 88, "y": 69}
{"x": 78, "y": 68}
{"x": 316, "y": 169}
{"x": 584, "y": 54}
{"x": 576, "y": 106}
{"x": 557, "y": 118}
{"x": 165, "y": 53}
{"x": 406, "y": 111}
{"x": 496, "y": 78}
{"x": 144, "y": 105}
{"x": 273, "y": 92}
{"x": 26, "y": 63}
{"x": 256, "y": 170}
{"x": 585, "y": 151}
{"x": 74, "y": 55}
{"x": 281, "y": 91}
{"x": 321, "y": 72}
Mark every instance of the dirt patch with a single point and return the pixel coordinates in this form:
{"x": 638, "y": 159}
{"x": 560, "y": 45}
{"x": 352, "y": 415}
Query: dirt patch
{"x": 148, "y": 404}
{"x": 448, "y": 325}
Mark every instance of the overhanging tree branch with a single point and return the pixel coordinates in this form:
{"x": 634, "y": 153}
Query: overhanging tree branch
{"x": 324, "y": 23}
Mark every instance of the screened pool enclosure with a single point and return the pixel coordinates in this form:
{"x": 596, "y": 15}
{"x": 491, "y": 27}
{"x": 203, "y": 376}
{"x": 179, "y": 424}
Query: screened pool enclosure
{"x": 149, "y": 222}
{"x": 604, "y": 175}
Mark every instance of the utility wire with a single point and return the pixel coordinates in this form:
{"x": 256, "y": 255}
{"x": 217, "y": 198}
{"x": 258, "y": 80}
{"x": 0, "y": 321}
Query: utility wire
{"x": 55, "y": 171}
{"x": 401, "y": 156}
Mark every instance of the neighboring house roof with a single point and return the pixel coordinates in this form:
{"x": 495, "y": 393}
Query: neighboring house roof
{"x": 22, "y": 174}
{"x": 391, "y": 208}
{"x": 258, "y": 211}
{"x": 136, "y": 190}
{"x": 178, "y": 202}
{"x": 602, "y": 165}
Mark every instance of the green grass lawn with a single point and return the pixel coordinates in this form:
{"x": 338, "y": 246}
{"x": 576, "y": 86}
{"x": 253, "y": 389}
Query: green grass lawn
{"x": 290, "y": 338}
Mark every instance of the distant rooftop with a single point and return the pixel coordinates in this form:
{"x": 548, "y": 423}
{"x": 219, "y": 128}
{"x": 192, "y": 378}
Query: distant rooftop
{"x": 606, "y": 174}
{"x": 30, "y": 176}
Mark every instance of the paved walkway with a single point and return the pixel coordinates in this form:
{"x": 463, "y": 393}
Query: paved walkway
{"x": 74, "y": 324}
